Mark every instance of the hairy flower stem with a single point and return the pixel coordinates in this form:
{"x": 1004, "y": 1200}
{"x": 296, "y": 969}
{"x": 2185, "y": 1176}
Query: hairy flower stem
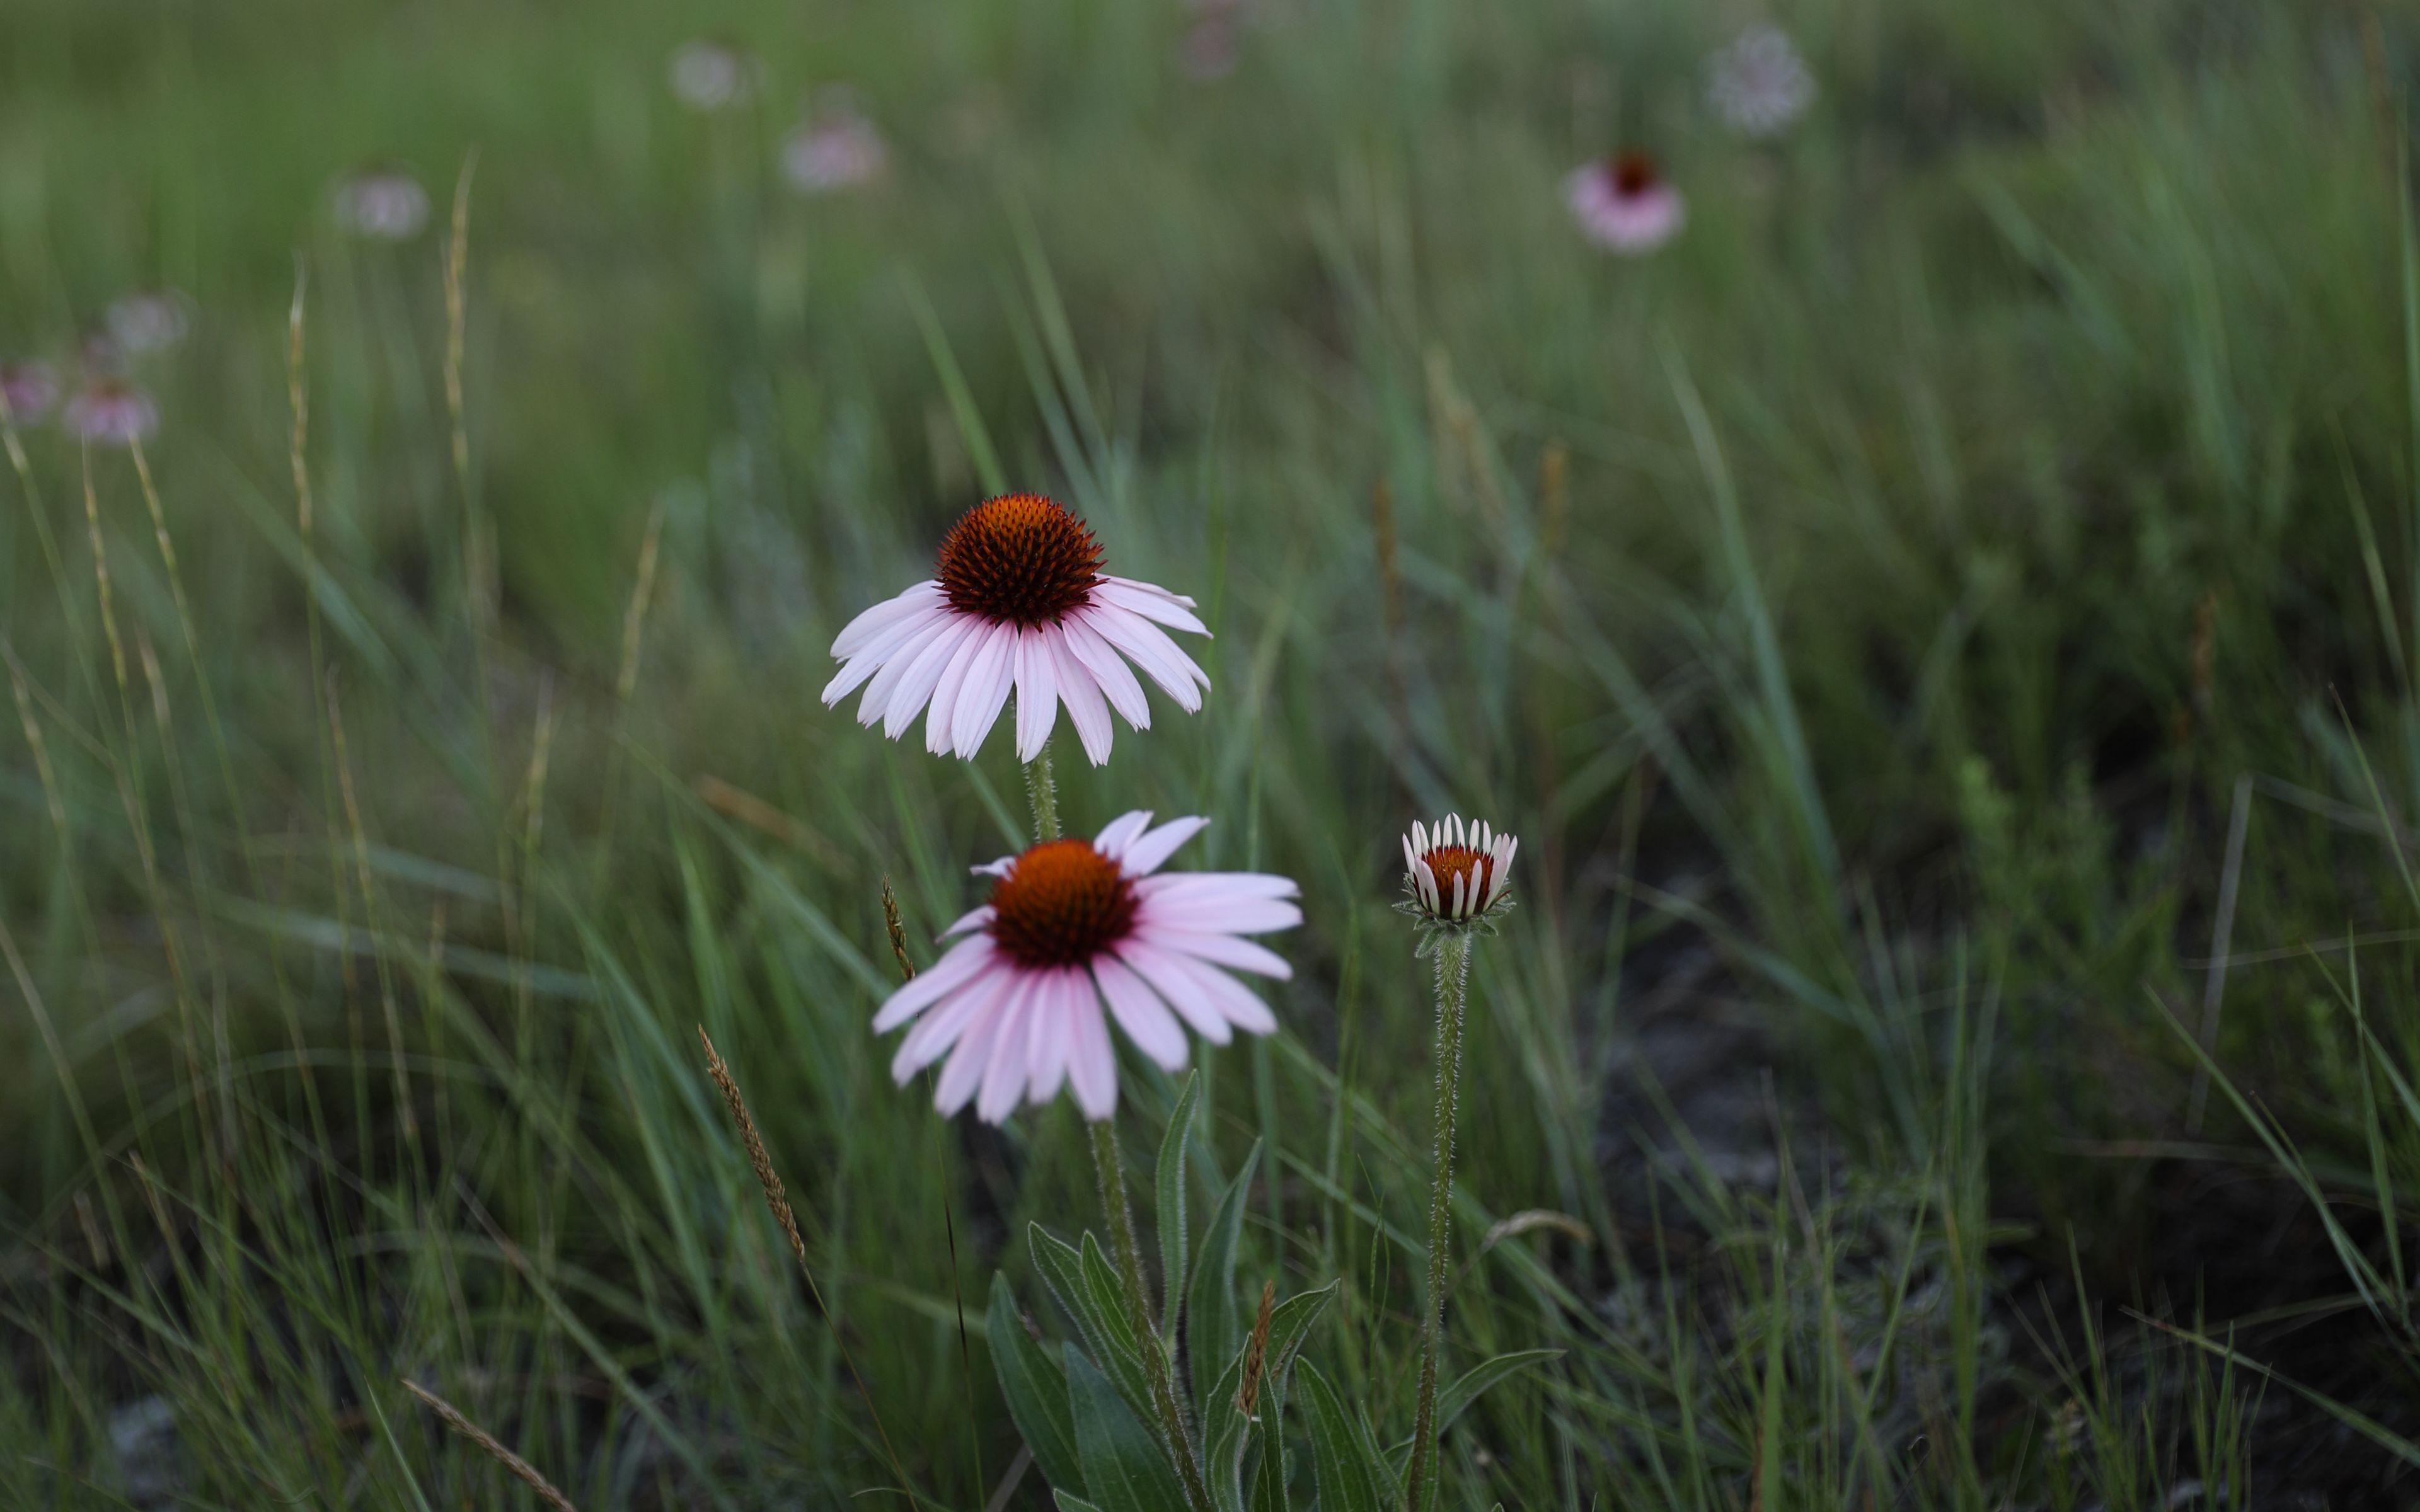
{"x": 1154, "y": 1356}
{"x": 1453, "y": 992}
{"x": 1043, "y": 794}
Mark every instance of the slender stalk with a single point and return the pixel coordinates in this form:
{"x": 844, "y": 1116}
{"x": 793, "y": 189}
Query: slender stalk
{"x": 1453, "y": 992}
{"x": 1154, "y": 1357}
{"x": 1043, "y": 794}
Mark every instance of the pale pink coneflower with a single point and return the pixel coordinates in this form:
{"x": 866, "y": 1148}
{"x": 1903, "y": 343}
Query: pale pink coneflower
{"x": 109, "y": 411}
{"x": 152, "y": 321}
{"x": 1017, "y": 601}
{"x": 708, "y": 75}
{"x": 1757, "y": 84}
{"x": 382, "y": 204}
{"x": 30, "y": 389}
{"x": 838, "y": 148}
{"x": 1624, "y": 204}
{"x": 1456, "y": 873}
{"x": 1016, "y": 1006}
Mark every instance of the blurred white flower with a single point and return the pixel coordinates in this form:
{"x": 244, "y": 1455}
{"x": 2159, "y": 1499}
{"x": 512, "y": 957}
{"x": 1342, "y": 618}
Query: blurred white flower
{"x": 383, "y": 204}
{"x": 1758, "y": 85}
{"x": 151, "y": 320}
{"x": 109, "y": 411}
{"x": 708, "y": 75}
{"x": 1624, "y": 205}
{"x": 836, "y": 150}
{"x": 31, "y": 389}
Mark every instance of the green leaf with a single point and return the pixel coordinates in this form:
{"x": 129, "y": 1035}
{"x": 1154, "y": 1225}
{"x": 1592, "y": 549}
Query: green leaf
{"x": 1229, "y": 1432}
{"x": 1092, "y": 1301}
{"x": 1175, "y": 1244}
{"x": 1351, "y": 1479}
{"x": 1071, "y": 1504}
{"x": 1035, "y": 1388}
{"x": 1465, "y": 1388}
{"x": 1214, "y": 1326}
{"x": 1124, "y": 1468}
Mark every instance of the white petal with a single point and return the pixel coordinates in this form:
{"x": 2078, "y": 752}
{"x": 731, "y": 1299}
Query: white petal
{"x": 1004, "y": 1076}
{"x": 1152, "y": 651}
{"x": 899, "y": 661}
{"x": 1120, "y": 832}
{"x": 1225, "y": 950}
{"x": 1092, "y": 1065}
{"x": 1116, "y": 679}
{"x": 915, "y": 686}
{"x": 1140, "y": 1012}
{"x": 940, "y": 1029}
{"x": 930, "y": 985}
{"x": 1152, "y": 851}
{"x": 1037, "y": 694}
{"x": 1459, "y": 878}
{"x": 1152, "y": 604}
{"x": 945, "y": 692}
{"x": 1172, "y": 980}
{"x": 861, "y": 631}
{"x": 984, "y": 692}
{"x": 1082, "y": 692}
{"x": 1063, "y": 995}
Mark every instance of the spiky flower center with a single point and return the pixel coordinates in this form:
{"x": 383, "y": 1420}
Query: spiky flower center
{"x": 1062, "y": 904}
{"x": 1447, "y": 862}
{"x": 1634, "y": 174}
{"x": 1019, "y": 559}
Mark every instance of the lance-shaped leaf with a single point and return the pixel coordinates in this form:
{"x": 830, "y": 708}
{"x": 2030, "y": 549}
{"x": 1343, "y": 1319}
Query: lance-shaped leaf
{"x": 1174, "y": 1243}
{"x": 1214, "y": 1327}
{"x": 1035, "y": 1387}
{"x": 1351, "y": 1479}
{"x": 1125, "y": 1469}
{"x": 1087, "y": 1289}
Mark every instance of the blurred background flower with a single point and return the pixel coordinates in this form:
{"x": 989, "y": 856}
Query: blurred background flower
{"x": 31, "y": 389}
{"x": 709, "y": 75}
{"x": 382, "y": 204}
{"x": 110, "y": 411}
{"x": 1757, "y": 84}
{"x": 146, "y": 321}
{"x": 1624, "y": 205}
{"x": 838, "y": 147}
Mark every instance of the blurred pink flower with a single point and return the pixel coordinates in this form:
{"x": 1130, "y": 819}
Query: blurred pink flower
{"x": 383, "y": 204}
{"x": 31, "y": 389}
{"x": 1212, "y": 46}
{"x": 1757, "y": 84}
{"x": 709, "y": 75}
{"x": 1624, "y": 205}
{"x": 1073, "y": 924}
{"x": 150, "y": 320}
{"x": 1017, "y": 602}
{"x": 836, "y": 150}
{"x": 109, "y": 411}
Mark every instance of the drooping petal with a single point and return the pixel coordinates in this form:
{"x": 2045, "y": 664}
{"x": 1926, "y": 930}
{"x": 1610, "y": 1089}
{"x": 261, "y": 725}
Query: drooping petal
{"x": 1172, "y": 980}
{"x": 1214, "y": 990}
{"x": 879, "y": 649}
{"x": 971, "y": 918}
{"x": 964, "y": 1070}
{"x": 1150, "y": 851}
{"x": 1117, "y": 679}
{"x": 1215, "y": 887}
{"x": 1081, "y": 691}
{"x": 1061, "y": 996}
{"x": 984, "y": 694}
{"x": 1223, "y": 949}
{"x": 1151, "y": 602}
{"x": 1092, "y": 1065}
{"x": 1037, "y": 693}
{"x": 1140, "y": 1013}
{"x": 1003, "y": 1080}
{"x": 963, "y": 961}
{"x": 860, "y": 632}
{"x": 901, "y": 659}
{"x": 916, "y": 685}
{"x": 945, "y": 692}
{"x": 1152, "y": 650}
{"x": 940, "y": 1029}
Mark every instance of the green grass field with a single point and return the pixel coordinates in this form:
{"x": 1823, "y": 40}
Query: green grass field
{"x": 1945, "y": 628}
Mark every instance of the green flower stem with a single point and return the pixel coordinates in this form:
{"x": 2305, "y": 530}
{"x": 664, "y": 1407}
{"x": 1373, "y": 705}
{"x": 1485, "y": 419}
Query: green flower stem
{"x": 1453, "y": 992}
{"x": 1043, "y": 794}
{"x": 1154, "y": 1356}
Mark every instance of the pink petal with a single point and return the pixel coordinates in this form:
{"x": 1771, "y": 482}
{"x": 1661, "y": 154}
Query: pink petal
{"x": 1232, "y": 1001}
{"x": 1237, "y": 915}
{"x": 1063, "y": 993}
{"x": 971, "y": 918}
{"x": 1216, "y": 887}
{"x": 1150, "y": 851}
{"x": 986, "y": 690}
{"x": 1078, "y": 690}
{"x": 1172, "y": 980}
{"x": 1140, "y": 1012}
{"x": 1116, "y": 679}
{"x": 860, "y": 632}
{"x": 970, "y": 1060}
{"x": 1037, "y": 693}
{"x": 940, "y": 1029}
{"x": 945, "y": 692}
{"x": 879, "y": 650}
{"x": 899, "y": 660}
{"x": 1092, "y": 1065}
{"x": 1225, "y": 950}
{"x": 1151, "y": 602}
{"x": 929, "y": 986}
{"x": 1005, "y": 1078}
{"x": 1120, "y": 832}
{"x": 915, "y": 686}
{"x": 1152, "y": 650}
